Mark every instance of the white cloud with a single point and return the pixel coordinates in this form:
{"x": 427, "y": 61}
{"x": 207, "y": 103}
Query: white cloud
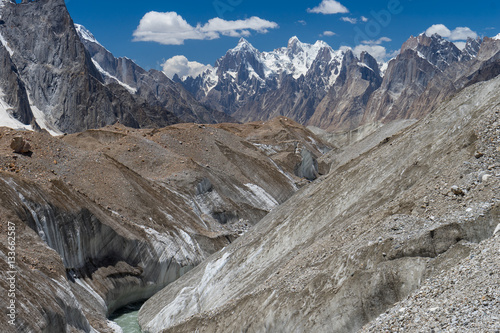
{"x": 328, "y": 33}
{"x": 462, "y": 33}
{"x": 329, "y": 7}
{"x": 439, "y": 29}
{"x": 181, "y": 66}
{"x": 171, "y": 29}
{"x": 378, "y": 41}
{"x": 460, "y": 45}
{"x": 302, "y": 22}
{"x": 349, "y": 19}
{"x": 376, "y": 51}
{"x": 459, "y": 33}
{"x": 364, "y": 19}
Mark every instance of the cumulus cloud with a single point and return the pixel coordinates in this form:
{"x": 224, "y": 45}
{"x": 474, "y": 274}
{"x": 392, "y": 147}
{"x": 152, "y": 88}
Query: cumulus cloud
{"x": 364, "y": 19}
{"x": 181, "y": 66}
{"x": 460, "y": 45}
{"x": 439, "y": 29}
{"x": 378, "y": 41}
{"x": 376, "y": 51}
{"x": 328, "y": 33}
{"x": 172, "y": 29}
{"x": 349, "y": 19}
{"x": 329, "y": 7}
{"x": 462, "y": 33}
{"x": 459, "y": 33}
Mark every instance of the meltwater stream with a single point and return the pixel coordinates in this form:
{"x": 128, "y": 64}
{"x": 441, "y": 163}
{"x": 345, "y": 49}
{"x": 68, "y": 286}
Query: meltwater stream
{"x": 127, "y": 318}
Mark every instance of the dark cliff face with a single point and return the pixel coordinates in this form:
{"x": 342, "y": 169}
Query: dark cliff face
{"x": 14, "y": 91}
{"x": 58, "y": 74}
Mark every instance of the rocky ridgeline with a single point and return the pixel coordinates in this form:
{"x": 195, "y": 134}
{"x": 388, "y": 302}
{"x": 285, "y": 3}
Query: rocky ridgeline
{"x": 337, "y": 90}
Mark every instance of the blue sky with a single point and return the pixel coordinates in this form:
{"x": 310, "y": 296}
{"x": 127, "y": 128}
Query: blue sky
{"x": 201, "y": 30}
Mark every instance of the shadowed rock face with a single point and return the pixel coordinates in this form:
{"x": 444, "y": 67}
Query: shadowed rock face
{"x": 109, "y": 217}
{"x": 13, "y": 89}
{"x": 344, "y": 249}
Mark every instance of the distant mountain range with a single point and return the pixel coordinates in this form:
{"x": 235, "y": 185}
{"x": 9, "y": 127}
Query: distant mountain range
{"x": 337, "y": 90}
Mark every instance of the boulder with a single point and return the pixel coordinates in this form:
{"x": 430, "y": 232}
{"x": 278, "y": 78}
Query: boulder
{"x": 20, "y": 145}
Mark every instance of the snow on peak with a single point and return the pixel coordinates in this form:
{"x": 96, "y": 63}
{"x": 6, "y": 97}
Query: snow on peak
{"x": 84, "y": 33}
{"x": 321, "y": 44}
{"x": 6, "y": 45}
{"x": 497, "y": 37}
{"x": 243, "y": 45}
{"x": 296, "y": 59}
{"x": 293, "y": 41}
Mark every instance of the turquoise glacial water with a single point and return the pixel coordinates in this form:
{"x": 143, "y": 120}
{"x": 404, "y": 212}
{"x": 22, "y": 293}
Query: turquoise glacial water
{"x": 127, "y": 318}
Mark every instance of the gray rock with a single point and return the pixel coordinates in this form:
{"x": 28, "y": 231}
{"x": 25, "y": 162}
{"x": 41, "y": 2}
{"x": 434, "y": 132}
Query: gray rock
{"x": 457, "y": 190}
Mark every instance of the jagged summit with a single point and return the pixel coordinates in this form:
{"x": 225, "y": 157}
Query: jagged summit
{"x": 293, "y": 42}
{"x": 84, "y": 33}
{"x": 245, "y": 75}
{"x": 243, "y": 45}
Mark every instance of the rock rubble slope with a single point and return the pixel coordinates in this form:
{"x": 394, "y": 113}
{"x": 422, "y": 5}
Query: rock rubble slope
{"x": 347, "y": 248}
{"x": 108, "y": 217}
{"x": 462, "y": 299}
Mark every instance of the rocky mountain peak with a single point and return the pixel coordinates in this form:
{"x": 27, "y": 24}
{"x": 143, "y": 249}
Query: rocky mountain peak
{"x": 472, "y": 46}
{"x": 435, "y": 49}
{"x": 243, "y": 46}
{"x": 368, "y": 60}
{"x": 85, "y": 34}
{"x": 294, "y": 43}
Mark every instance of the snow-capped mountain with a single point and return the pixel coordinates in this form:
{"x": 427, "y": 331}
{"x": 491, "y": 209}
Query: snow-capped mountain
{"x": 245, "y": 80}
{"x": 335, "y": 90}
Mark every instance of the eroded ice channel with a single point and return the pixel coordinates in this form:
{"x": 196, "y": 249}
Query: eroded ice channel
{"x": 127, "y": 318}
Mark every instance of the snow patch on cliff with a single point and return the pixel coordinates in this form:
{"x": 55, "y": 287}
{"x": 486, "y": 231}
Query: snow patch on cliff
{"x": 6, "y": 119}
{"x": 106, "y": 74}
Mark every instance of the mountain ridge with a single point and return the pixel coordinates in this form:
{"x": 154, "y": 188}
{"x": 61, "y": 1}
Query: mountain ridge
{"x": 305, "y": 86}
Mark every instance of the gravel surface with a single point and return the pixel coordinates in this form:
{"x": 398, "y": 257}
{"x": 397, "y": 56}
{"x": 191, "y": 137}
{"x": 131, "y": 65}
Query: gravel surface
{"x": 465, "y": 298}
